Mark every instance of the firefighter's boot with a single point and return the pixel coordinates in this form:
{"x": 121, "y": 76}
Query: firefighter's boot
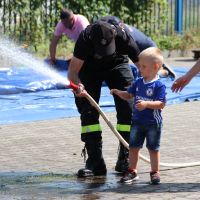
{"x": 122, "y": 161}
{"x": 95, "y": 165}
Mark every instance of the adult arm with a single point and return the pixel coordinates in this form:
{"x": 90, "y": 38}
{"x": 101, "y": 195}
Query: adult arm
{"x": 52, "y": 48}
{"x": 73, "y": 71}
{"x": 74, "y": 68}
{"x": 181, "y": 82}
{"x": 133, "y": 49}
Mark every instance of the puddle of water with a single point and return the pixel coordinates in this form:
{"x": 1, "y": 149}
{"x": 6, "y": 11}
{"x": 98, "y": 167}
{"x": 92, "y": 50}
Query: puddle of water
{"x": 38, "y": 185}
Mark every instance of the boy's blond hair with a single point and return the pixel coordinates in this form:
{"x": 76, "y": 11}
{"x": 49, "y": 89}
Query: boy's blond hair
{"x": 154, "y": 54}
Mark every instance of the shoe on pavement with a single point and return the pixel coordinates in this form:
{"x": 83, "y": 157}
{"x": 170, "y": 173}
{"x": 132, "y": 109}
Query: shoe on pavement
{"x": 155, "y": 178}
{"x": 129, "y": 177}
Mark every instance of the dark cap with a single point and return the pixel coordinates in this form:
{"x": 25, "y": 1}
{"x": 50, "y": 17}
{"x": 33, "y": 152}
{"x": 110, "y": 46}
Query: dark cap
{"x": 103, "y": 38}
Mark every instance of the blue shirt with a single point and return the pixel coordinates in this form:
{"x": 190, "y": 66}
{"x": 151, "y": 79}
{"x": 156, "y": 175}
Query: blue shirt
{"x": 150, "y": 91}
{"x": 142, "y": 40}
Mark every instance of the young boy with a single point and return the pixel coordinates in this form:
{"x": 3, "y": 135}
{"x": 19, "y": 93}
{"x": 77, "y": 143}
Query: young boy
{"x": 149, "y": 99}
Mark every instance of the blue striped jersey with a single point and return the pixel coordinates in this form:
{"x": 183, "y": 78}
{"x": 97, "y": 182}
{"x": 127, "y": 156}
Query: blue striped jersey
{"x": 154, "y": 90}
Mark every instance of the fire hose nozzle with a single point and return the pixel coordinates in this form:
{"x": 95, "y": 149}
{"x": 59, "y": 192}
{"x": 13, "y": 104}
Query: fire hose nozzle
{"x": 73, "y": 86}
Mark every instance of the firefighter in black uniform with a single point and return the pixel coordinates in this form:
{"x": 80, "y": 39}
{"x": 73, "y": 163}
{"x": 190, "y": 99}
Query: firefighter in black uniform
{"x": 101, "y": 54}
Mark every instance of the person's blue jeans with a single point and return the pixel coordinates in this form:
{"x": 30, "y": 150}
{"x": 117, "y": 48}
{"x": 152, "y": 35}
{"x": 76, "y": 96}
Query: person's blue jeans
{"x": 150, "y": 132}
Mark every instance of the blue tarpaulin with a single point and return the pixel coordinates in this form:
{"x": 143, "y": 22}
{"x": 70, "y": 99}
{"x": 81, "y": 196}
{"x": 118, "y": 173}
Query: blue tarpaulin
{"x": 27, "y": 96}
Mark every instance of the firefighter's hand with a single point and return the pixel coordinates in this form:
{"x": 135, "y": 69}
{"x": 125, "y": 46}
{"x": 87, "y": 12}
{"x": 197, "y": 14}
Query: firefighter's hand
{"x": 81, "y": 92}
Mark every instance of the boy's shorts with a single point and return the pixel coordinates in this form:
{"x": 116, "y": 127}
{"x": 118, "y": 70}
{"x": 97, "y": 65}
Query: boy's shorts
{"x": 152, "y": 133}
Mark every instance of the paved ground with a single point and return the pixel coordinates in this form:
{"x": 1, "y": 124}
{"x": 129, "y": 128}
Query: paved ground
{"x": 180, "y": 61}
{"x": 38, "y": 160}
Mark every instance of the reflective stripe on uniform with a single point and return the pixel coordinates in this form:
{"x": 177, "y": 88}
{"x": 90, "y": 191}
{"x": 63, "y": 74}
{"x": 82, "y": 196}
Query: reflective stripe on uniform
{"x": 123, "y": 127}
{"x": 91, "y": 128}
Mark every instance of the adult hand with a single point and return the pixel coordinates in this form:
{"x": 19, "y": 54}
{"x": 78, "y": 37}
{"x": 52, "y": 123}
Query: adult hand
{"x": 51, "y": 61}
{"x": 180, "y": 83}
{"x": 81, "y": 92}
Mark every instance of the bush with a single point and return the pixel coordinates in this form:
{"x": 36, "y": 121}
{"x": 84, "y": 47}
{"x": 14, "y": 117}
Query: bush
{"x": 187, "y": 41}
{"x": 171, "y": 42}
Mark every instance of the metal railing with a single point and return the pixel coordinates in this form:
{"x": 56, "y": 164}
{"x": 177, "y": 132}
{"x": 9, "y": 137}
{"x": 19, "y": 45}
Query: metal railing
{"x": 180, "y": 16}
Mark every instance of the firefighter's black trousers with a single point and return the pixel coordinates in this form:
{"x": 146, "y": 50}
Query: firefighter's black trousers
{"x": 118, "y": 77}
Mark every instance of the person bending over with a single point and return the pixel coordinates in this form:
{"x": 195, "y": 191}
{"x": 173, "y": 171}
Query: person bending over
{"x": 70, "y": 25}
{"x": 101, "y": 54}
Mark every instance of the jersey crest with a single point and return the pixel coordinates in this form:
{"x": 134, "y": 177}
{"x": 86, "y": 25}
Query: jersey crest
{"x": 149, "y": 92}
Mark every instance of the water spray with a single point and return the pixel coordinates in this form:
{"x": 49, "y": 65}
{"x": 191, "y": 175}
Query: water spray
{"x": 17, "y": 56}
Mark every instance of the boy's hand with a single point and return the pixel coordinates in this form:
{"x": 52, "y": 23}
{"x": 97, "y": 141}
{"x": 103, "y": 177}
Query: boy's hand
{"x": 141, "y": 105}
{"x": 113, "y": 91}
